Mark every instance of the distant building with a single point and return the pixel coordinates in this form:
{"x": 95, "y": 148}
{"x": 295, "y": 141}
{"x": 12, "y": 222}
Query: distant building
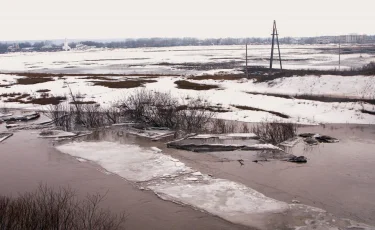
{"x": 353, "y": 38}
{"x": 324, "y": 40}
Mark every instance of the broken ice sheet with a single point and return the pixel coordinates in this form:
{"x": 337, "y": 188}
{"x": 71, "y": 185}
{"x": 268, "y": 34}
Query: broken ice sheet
{"x": 128, "y": 161}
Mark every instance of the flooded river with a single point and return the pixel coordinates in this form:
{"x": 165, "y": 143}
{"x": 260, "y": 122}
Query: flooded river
{"x": 338, "y": 177}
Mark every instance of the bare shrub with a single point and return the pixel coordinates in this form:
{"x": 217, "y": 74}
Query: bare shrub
{"x": 221, "y": 126}
{"x": 163, "y": 110}
{"x": 70, "y": 115}
{"x": 195, "y": 115}
{"x": 56, "y": 209}
{"x": 275, "y": 132}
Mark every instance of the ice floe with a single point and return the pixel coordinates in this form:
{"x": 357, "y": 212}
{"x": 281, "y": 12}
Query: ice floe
{"x": 128, "y": 161}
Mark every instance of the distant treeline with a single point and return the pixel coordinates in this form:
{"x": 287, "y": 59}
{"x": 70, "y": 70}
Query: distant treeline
{"x": 159, "y": 42}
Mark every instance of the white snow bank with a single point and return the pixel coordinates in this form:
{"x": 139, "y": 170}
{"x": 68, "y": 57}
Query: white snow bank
{"x": 128, "y": 161}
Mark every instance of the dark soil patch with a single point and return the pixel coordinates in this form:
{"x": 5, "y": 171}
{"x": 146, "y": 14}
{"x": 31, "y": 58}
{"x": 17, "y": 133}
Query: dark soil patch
{"x": 261, "y": 110}
{"x": 182, "y": 84}
{"x": 228, "y": 77}
{"x": 123, "y": 84}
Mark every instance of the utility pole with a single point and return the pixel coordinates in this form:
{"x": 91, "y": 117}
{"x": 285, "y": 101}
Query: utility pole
{"x": 339, "y": 52}
{"x": 275, "y": 33}
{"x": 247, "y": 72}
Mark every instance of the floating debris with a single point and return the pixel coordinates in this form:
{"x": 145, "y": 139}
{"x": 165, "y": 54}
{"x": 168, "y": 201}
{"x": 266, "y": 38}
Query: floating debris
{"x": 316, "y": 138}
{"x": 4, "y": 136}
{"x": 299, "y": 159}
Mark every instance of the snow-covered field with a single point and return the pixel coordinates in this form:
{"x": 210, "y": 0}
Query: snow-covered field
{"x": 175, "y": 61}
{"x": 170, "y": 179}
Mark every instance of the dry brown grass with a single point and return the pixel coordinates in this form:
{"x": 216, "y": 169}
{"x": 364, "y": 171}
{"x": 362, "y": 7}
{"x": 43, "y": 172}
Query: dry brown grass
{"x": 261, "y": 110}
{"x": 123, "y": 84}
{"x": 183, "y": 84}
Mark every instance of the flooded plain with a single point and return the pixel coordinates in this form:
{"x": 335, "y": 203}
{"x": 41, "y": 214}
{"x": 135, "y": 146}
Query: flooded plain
{"x": 338, "y": 177}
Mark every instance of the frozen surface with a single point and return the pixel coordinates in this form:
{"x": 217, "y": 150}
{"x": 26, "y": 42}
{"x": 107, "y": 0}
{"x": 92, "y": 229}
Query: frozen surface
{"x": 220, "y": 196}
{"x": 128, "y": 161}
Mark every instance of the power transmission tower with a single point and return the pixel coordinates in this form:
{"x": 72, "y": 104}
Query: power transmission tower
{"x": 274, "y": 33}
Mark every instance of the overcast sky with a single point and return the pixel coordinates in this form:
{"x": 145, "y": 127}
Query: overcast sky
{"x": 48, "y": 19}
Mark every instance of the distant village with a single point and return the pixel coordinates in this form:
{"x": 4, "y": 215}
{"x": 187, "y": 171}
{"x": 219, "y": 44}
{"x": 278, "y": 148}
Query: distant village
{"x": 54, "y": 46}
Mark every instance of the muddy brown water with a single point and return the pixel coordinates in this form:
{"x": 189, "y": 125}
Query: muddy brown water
{"x": 26, "y": 161}
{"x": 339, "y": 177}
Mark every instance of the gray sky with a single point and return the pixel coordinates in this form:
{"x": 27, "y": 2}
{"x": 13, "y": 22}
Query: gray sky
{"x": 48, "y": 19}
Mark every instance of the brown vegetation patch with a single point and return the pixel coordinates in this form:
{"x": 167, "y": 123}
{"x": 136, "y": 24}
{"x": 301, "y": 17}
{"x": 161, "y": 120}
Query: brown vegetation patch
{"x": 40, "y": 101}
{"x": 123, "y": 84}
{"x": 33, "y": 80}
{"x": 43, "y": 90}
{"x": 368, "y": 112}
{"x": 228, "y": 77}
{"x": 97, "y": 78}
{"x": 18, "y": 98}
{"x": 261, "y": 110}
{"x": 216, "y": 109}
{"x": 271, "y": 95}
{"x": 182, "y": 84}
{"x": 10, "y": 94}
{"x": 83, "y": 102}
